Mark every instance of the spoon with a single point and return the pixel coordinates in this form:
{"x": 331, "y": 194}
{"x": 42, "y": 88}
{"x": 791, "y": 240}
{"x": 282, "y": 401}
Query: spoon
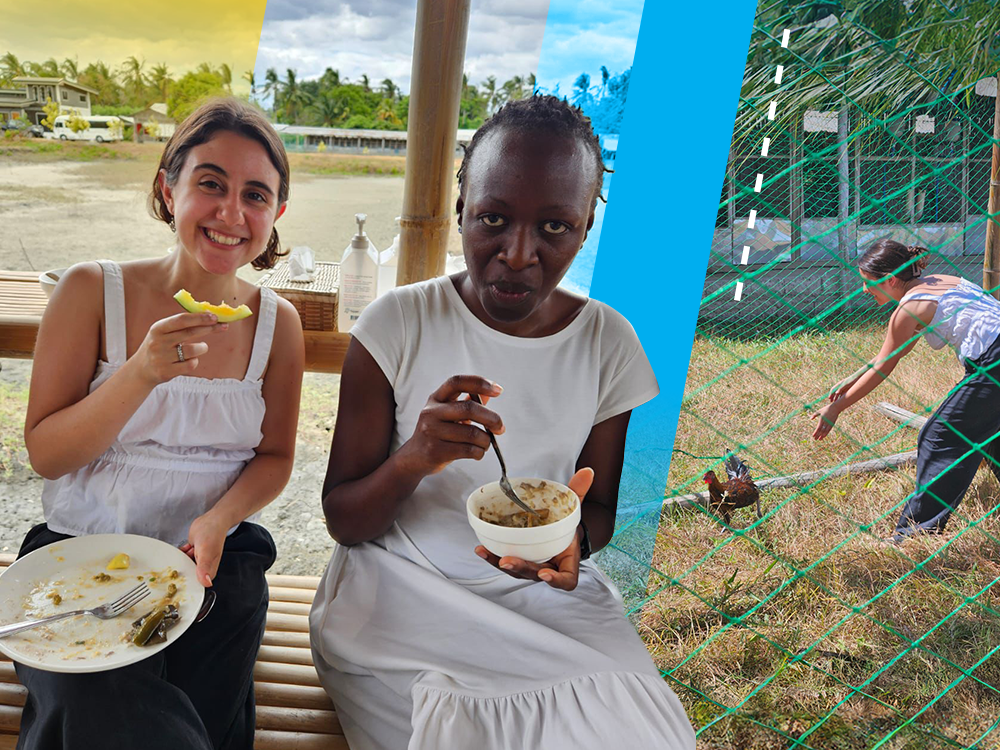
{"x": 504, "y": 482}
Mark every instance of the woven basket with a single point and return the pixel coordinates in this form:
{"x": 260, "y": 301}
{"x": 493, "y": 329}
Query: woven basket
{"x": 316, "y": 300}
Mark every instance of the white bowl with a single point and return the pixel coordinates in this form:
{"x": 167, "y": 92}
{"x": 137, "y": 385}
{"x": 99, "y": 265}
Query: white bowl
{"x": 536, "y": 544}
{"x": 49, "y": 279}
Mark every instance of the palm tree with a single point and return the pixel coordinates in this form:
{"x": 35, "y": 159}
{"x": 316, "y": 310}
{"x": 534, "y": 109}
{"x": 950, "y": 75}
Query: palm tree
{"x": 330, "y": 79}
{"x": 272, "y": 88}
{"x": 389, "y": 89}
{"x": 581, "y": 89}
{"x": 70, "y": 69}
{"x": 329, "y": 110}
{"x": 364, "y": 83}
{"x": 11, "y": 67}
{"x": 134, "y": 80}
{"x": 293, "y": 98}
{"x": 160, "y": 82}
{"x": 47, "y": 69}
{"x": 100, "y": 78}
{"x": 604, "y": 79}
{"x": 490, "y": 91}
{"x": 226, "y": 74}
{"x": 248, "y": 76}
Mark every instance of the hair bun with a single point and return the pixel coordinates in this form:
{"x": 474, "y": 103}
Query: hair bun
{"x": 916, "y": 251}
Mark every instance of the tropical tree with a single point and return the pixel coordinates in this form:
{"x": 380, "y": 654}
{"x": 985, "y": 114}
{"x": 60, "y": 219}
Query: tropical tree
{"x": 389, "y": 89}
{"x": 364, "y": 83}
{"x": 192, "y": 89}
{"x": 133, "y": 80}
{"x": 99, "y": 77}
{"x": 581, "y": 91}
{"x": 159, "y": 82}
{"x": 490, "y": 91}
{"x": 70, "y": 69}
{"x": 47, "y": 69}
{"x": 293, "y": 98}
{"x": 330, "y": 79}
{"x": 11, "y": 67}
{"x": 272, "y": 88}
{"x": 249, "y": 77}
{"x": 329, "y": 110}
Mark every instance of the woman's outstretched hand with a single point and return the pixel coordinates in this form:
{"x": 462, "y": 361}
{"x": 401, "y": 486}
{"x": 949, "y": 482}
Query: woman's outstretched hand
{"x": 563, "y": 570}
{"x": 446, "y": 430}
{"x": 827, "y": 419}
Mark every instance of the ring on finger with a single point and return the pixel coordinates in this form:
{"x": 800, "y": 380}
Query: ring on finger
{"x": 180, "y": 352}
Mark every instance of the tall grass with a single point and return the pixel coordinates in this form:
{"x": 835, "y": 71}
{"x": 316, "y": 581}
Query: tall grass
{"x": 799, "y": 630}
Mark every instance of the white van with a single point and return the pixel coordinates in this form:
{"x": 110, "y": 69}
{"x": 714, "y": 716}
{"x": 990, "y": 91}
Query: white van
{"x": 100, "y": 129}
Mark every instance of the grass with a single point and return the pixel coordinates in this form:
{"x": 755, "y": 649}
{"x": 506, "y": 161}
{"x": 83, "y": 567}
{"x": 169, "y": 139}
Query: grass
{"x": 13, "y": 404}
{"x": 347, "y": 165}
{"x": 800, "y": 628}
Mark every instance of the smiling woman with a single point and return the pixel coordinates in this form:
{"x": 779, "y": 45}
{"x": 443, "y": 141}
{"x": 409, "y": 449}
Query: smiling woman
{"x": 174, "y": 425}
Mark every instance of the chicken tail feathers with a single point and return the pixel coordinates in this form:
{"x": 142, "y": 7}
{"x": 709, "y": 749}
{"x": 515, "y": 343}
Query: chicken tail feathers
{"x": 735, "y": 467}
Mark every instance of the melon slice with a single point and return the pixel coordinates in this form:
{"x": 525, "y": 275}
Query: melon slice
{"x": 223, "y": 312}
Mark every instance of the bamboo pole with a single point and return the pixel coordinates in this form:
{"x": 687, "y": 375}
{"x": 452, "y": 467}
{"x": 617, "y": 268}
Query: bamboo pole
{"x": 899, "y": 414}
{"x": 991, "y": 259}
{"x": 435, "y": 94}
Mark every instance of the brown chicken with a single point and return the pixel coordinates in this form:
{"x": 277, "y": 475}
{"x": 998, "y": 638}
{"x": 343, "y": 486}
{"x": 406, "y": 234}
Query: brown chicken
{"x": 738, "y": 492}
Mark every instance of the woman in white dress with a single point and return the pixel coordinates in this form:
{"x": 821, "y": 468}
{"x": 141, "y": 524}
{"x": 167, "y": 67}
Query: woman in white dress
{"x": 145, "y": 419}
{"x": 964, "y": 430}
{"x": 423, "y": 639}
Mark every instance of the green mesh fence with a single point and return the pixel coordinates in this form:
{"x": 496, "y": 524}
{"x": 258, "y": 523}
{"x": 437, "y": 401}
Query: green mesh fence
{"x": 802, "y": 629}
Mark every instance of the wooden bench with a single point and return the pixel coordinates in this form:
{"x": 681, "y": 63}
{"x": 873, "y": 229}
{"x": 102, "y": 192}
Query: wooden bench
{"x": 293, "y": 711}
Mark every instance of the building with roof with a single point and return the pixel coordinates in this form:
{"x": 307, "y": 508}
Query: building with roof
{"x": 153, "y": 119}
{"x": 32, "y": 93}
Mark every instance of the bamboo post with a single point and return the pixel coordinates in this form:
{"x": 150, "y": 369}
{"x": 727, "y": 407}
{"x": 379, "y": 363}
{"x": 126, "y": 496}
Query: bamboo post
{"x": 991, "y": 260}
{"x": 435, "y": 94}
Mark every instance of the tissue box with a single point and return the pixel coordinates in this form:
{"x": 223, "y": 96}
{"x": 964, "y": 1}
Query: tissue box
{"x": 316, "y": 300}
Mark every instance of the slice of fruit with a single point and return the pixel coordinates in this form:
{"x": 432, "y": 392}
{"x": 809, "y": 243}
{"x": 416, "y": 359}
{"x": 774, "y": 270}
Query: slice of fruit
{"x": 119, "y": 562}
{"x": 223, "y": 312}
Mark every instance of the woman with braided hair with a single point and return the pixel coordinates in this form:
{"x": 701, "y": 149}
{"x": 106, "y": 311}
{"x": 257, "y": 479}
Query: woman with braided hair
{"x": 423, "y": 639}
{"x": 946, "y": 310}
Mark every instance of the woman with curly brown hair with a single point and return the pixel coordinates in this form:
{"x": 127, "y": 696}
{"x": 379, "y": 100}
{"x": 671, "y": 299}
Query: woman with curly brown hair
{"x": 146, "y": 420}
{"x": 946, "y": 311}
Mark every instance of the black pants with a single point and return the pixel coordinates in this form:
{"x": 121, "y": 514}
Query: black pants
{"x": 197, "y": 694}
{"x": 970, "y": 414}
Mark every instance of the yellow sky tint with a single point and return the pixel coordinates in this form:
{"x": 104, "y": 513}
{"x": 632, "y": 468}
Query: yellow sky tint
{"x": 180, "y": 33}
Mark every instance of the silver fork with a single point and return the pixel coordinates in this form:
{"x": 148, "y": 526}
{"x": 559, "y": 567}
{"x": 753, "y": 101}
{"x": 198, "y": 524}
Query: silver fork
{"x": 104, "y": 612}
{"x": 504, "y": 482}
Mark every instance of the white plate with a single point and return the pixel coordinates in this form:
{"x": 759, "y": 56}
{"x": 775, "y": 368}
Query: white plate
{"x": 68, "y": 567}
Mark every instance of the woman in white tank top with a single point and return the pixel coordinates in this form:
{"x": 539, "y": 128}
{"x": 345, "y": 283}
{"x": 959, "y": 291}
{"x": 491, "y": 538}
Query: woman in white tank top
{"x": 147, "y": 420}
{"x": 947, "y": 311}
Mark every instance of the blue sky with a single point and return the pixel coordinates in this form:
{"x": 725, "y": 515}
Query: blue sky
{"x": 583, "y": 35}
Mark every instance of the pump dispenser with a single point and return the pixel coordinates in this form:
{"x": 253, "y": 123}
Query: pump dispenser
{"x": 358, "y": 277}
{"x": 387, "y": 264}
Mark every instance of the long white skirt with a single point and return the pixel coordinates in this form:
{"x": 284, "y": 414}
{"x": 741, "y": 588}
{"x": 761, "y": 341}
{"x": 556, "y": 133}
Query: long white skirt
{"x": 416, "y": 661}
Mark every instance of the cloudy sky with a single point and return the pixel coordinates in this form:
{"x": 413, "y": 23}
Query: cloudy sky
{"x": 506, "y": 38}
{"x": 225, "y": 32}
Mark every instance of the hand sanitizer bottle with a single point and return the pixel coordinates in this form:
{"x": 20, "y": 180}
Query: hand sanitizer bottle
{"x": 358, "y": 277}
{"x": 387, "y": 264}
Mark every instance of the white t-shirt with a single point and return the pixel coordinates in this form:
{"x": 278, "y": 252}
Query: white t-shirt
{"x": 556, "y": 388}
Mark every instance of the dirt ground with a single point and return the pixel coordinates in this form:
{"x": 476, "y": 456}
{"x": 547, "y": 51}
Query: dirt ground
{"x": 59, "y": 208}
